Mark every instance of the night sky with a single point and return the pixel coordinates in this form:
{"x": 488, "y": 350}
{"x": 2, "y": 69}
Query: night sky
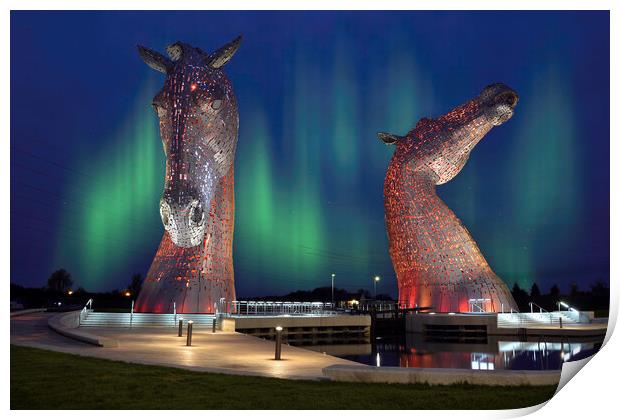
{"x": 87, "y": 166}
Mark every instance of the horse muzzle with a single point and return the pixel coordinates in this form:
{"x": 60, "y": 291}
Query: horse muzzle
{"x": 184, "y": 223}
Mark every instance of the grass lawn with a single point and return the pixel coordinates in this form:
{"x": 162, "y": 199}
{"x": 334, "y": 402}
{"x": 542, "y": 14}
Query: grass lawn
{"x": 42, "y": 379}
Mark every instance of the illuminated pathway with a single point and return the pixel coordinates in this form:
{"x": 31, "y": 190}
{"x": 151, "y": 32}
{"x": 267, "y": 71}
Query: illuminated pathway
{"x": 230, "y": 353}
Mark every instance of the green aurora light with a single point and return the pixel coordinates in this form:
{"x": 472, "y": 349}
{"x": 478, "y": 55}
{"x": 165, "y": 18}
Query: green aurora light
{"x": 115, "y": 208}
{"x": 294, "y": 221}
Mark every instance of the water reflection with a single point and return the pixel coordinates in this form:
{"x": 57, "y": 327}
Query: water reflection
{"x": 488, "y": 353}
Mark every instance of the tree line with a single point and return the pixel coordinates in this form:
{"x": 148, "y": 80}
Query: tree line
{"x": 60, "y": 283}
{"x": 594, "y": 299}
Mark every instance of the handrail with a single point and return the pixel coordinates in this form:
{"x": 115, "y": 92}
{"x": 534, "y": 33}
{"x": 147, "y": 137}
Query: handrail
{"x": 256, "y": 307}
{"x": 541, "y": 310}
{"x": 84, "y": 311}
{"x": 477, "y": 306}
{"x": 570, "y": 308}
{"x": 539, "y": 307}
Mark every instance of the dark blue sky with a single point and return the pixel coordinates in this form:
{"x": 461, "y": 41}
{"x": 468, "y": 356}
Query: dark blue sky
{"x": 313, "y": 89}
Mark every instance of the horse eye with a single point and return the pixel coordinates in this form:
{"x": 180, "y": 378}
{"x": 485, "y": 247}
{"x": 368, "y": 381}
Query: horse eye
{"x": 216, "y": 104}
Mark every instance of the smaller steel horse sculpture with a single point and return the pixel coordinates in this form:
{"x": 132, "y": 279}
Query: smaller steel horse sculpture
{"x": 198, "y": 121}
{"x": 436, "y": 260}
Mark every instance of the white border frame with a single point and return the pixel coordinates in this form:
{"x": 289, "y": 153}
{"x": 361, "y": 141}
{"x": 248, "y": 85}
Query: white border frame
{"x": 590, "y": 394}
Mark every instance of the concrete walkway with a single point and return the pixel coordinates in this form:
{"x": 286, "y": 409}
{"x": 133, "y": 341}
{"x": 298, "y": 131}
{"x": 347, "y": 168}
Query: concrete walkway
{"x": 230, "y": 353}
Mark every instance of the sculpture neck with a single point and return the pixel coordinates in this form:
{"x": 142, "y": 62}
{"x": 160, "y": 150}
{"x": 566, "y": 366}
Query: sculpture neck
{"x": 429, "y": 245}
{"x": 407, "y": 190}
{"x": 196, "y": 278}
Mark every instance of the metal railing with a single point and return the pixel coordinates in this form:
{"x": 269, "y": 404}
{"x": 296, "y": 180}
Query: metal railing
{"x": 249, "y": 307}
{"x": 567, "y": 306}
{"x": 88, "y": 306}
{"x": 473, "y": 306}
{"x": 542, "y": 318}
{"x": 572, "y": 313}
{"x": 541, "y": 310}
{"x": 377, "y": 306}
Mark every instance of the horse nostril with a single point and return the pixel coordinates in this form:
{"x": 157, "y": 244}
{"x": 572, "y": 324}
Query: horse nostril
{"x": 164, "y": 211}
{"x": 509, "y": 98}
{"x": 196, "y": 214}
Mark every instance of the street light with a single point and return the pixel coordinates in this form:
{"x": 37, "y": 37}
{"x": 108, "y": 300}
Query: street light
{"x": 333, "y": 275}
{"x": 190, "y": 324}
{"x": 374, "y": 283}
{"x": 180, "y": 327}
{"x": 278, "y": 355}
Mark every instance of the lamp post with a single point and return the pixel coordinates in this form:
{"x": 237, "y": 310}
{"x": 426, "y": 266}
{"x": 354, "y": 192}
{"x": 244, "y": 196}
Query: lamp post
{"x": 374, "y": 283}
{"x": 333, "y": 275}
{"x": 180, "y": 327}
{"x": 278, "y": 354}
{"x": 190, "y": 324}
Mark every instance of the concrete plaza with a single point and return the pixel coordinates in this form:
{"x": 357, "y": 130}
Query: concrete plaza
{"x": 222, "y": 352}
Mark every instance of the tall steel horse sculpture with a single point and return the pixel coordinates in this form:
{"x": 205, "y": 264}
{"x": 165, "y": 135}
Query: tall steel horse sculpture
{"x": 198, "y": 119}
{"x": 436, "y": 260}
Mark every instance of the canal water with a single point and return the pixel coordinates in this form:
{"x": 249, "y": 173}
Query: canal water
{"x": 488, "y": 353}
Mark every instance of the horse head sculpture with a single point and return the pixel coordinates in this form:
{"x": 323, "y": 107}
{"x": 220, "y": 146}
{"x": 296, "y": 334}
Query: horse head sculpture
{"x": 440, "y": 147}
{"x": 197, "y": 110}
{"x": 198, "y": 122}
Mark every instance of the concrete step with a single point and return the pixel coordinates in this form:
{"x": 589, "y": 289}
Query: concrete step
{"x": 111, "y": 319}
{"x": 535, "y": 319}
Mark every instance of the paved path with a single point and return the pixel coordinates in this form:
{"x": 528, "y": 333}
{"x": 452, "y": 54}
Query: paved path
{"x": 231, "y": 353}
{"x": 31, "y": 330}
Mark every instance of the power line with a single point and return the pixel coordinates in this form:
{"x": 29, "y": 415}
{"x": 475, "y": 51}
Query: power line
{"x": 107, "y": 193}
{"x": 82, "y": 237}
{"x": 74, "y": 202}
{"x": 66, "y": 168}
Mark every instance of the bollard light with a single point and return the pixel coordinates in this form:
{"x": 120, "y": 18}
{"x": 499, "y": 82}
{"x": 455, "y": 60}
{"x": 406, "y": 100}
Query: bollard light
{"x": 278, "y": 342}
{"x": 190, "y": 324}
{"x": 213, "y": 326}
{"x": 180, "y": 327}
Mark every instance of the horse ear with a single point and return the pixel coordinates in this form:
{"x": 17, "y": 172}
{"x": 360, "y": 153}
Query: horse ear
{"x": 388, "y": 138}
{"x": 175, "y": 51}
{"x": 224, "y": 54}
{"x": 154, "y": 60}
